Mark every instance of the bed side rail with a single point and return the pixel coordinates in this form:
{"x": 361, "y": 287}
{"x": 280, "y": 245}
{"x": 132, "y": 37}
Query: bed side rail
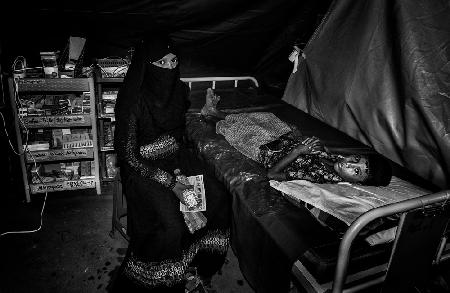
{"x": 214, "y": 79}
{"x": 388, "y": 210}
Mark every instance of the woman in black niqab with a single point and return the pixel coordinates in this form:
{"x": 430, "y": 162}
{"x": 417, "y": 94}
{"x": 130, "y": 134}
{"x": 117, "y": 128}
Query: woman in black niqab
{"x": 150, "y": 124}
{"x": 159, "y": 90}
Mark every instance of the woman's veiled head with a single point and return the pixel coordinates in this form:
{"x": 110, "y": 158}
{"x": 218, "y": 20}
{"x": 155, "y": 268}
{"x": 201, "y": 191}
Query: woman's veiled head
{"x": 161, "y": 71}
{"x": 156, "y": 91}
{"x": 157, "y": 45}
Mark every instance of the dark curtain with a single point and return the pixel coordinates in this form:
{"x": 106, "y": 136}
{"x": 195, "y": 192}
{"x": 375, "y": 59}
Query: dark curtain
{"x": 215, "y": 37}
{"x": 379, "y": 71}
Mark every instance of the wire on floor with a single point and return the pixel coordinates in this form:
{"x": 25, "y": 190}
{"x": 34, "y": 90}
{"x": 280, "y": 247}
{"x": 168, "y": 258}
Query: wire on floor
{"x": 19, "y": 102}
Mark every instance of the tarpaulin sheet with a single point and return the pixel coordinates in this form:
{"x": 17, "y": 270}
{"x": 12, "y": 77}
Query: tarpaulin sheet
{"x": 380, "y": 72}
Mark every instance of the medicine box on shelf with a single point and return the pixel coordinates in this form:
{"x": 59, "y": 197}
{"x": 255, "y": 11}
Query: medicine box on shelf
{"x": 56, "y": 127}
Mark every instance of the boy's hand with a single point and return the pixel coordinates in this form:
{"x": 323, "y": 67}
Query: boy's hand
{"x": 310, "y": 145}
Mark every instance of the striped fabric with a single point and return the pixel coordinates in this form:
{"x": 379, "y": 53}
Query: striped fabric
{"x": 248, "y": 131}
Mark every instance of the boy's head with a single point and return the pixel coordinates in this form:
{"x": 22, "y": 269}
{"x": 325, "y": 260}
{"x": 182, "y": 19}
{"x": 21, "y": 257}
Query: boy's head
{"x": 370, "y": 169}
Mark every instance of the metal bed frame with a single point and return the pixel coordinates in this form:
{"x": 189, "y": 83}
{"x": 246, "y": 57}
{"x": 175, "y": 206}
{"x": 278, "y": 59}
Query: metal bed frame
{"x": 214, "y": 79}
{"x": 431, "y": 207}
{"x": 433, "y": 239}
{"x": 420, "y": 243}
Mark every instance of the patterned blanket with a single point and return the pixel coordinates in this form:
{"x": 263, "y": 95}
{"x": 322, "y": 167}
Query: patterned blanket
{"x": 248, "y": 131}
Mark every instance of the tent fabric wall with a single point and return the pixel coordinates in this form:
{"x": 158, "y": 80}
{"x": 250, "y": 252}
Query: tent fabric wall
{"x": 380, "y": 72}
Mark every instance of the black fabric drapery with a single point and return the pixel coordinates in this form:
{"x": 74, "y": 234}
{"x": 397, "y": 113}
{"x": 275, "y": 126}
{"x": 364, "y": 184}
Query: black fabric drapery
{"x": 379, "y": 71}
{"x": 217, "y": 37}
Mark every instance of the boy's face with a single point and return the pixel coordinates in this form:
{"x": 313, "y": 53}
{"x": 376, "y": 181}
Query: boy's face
{"x": 353, "y": 168}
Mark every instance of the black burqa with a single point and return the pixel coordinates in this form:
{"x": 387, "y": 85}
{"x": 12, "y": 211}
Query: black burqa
{"x": 159, "y": 91}
{"x": 150, "y": 112}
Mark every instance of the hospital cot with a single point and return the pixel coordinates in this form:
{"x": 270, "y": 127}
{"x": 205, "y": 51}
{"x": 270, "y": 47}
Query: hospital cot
{"x": 277, "y": 240}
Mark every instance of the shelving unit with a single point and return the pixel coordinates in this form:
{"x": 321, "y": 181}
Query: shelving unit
{"x": 78, "y": 158}
{"x": 107, "y": 89}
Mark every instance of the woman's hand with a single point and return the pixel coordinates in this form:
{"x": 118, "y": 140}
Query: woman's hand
{"x": 310, "y": 145}
{"x": 179, "y": 188}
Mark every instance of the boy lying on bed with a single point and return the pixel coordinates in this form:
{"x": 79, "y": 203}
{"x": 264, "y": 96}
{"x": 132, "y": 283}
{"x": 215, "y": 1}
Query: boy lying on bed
{"x": 287, "y": 155}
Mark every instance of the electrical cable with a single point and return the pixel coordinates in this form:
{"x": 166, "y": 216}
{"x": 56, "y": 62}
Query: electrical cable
{"x": 88, "y": 70}
{"x": 45, "y": 197}
{"x": 23, "y": 125}
{"x": 3, "y": 89}
{"x": 118, "y": 68}
{"x": 30, "y": 231}
{"x": 18, "y": 101}
{"x": 18, "y": 59}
